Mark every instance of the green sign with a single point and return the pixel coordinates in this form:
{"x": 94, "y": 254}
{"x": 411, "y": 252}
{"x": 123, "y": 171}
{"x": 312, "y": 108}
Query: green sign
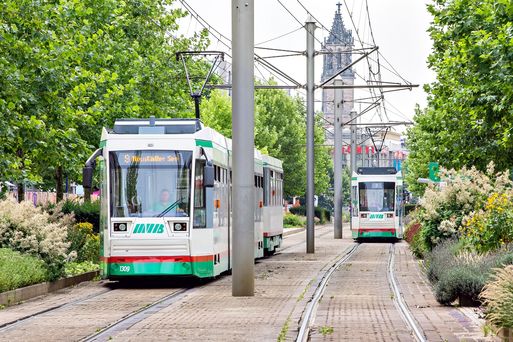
{"x": 434, "y": 168}
{"x": 148, "y": 228}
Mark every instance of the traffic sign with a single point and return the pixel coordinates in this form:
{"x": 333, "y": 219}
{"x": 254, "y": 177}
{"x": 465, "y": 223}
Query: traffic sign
{"x": 434, "y": 169}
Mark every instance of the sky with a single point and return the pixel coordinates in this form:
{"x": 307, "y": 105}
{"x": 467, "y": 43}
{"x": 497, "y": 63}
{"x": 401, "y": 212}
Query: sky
{"x": 399, "y": 28}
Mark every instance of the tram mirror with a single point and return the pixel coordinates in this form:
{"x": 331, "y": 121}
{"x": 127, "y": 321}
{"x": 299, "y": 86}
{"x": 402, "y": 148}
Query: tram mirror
{"x": 87, "y": 177}
{"x": 208, "y": 176}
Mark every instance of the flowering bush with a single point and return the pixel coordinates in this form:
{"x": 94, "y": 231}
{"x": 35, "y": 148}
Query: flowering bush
{"x": 84, "y": 243}
{"x": 413, "y": 235}
{"x": 76, "y": 268}
{"x": 31, "y": 230}
{"x": 443, "y": 208}
{"x": 491, "y": 228}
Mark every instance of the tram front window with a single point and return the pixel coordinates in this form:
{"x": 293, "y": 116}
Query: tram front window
{"x": 376, "y": 196}
{"x": 150, "y": 183}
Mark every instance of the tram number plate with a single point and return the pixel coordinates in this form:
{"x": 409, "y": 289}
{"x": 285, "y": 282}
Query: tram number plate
{"x": 124, "y": 269}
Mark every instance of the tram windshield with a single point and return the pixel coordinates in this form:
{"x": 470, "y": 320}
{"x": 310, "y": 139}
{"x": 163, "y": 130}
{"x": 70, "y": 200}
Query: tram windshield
{"x": 376, "y": 196}
{"x": 150, "y": 183}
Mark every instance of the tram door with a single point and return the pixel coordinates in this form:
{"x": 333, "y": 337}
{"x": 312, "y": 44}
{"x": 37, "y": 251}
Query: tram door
{"x": 399, "y": 209}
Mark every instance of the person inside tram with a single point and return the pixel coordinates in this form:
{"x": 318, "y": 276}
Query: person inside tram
{"x": 166, "y": 206}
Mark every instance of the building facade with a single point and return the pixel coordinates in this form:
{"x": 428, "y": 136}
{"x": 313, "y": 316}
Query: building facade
{"x": 337, "y": 54}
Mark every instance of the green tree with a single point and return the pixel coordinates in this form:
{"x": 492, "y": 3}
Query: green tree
{"x": 468, "y": 120}
{"x": 216, "y": 112}
{"x": 70, "y": 68}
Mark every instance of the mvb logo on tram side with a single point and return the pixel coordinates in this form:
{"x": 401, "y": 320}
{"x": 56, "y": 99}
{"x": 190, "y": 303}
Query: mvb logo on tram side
{"x": 149, "y": 228}
{"x": 376, "y": 216}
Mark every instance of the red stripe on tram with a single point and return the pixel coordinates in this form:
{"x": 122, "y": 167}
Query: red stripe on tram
{"x": 132, "y": 259}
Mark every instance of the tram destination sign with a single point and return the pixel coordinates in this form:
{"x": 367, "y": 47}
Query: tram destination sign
{"x": 154, "y": 158}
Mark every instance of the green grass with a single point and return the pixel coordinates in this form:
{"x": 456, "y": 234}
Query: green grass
{"x": 326, "y": 330}
{"x": 283, "y": 333}
{"x": 18, "y": 270}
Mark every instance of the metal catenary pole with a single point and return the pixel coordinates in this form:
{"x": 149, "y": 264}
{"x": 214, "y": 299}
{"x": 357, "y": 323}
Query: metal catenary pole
{"x": 243, "y": 280}
{"x": 310, "y": 87}
{"x": 353, "y": 142}
{"x": 353, "y": 116}
{"x": 337, "y": 160}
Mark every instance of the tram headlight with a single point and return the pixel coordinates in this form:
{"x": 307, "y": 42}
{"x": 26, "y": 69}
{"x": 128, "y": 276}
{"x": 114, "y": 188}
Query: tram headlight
{"x": 179, "y": 227}
{"x": 120, "y": 227}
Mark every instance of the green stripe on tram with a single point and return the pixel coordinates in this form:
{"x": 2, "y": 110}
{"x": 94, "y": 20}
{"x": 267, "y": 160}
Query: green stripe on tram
{"x": 204, "y": 143}
{"x": 374, "y": 235}
{"x": 200, "y": 269}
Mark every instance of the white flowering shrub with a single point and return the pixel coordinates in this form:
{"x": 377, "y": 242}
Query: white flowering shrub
{"x": 444, "y": 207}
{"x": 28, "y": 229}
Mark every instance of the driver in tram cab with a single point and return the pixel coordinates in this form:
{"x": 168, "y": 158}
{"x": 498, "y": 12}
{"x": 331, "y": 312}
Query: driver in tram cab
{"x": 165, "y": 202}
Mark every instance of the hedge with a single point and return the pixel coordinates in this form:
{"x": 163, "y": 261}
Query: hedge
{"x": 322, "y": 214}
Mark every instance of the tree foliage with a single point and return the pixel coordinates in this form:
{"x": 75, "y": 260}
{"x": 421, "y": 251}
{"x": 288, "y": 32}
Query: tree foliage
{"x": 469, "y": 117}
{"x": 68, "y": 68}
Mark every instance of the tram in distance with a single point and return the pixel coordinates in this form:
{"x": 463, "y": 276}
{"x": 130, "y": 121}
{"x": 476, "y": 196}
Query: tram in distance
{"x": 377, "y": 204}
{"x": 166, "y": 199}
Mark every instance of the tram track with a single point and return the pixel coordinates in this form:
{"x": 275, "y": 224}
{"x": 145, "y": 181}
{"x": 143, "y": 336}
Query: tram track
{"x": 311, "y": 308}
{"x": 399, "y": 303}
{"x": 135, "y": 317}
{"x": 304, "y": 241}
{"x": 12, "y": 324}
{"x": 122, "y": 323}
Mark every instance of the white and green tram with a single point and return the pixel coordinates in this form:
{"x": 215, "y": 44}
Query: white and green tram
{"x": 377, "y": 203}
{"x": 166, "y": 199}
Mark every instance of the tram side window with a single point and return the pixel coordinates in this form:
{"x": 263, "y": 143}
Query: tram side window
{"x": 399, "y": 200}
{"x": 273, "y": 188}
{"x": 279, "y": 189}
{"x": 199, "y": 196}
{"x": 354, "y": 201}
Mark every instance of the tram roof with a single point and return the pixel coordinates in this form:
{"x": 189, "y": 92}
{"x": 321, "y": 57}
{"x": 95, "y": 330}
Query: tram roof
{"x": 156, "y": 126}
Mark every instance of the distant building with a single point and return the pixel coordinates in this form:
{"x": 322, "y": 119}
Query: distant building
{"x": 337, "y": 49}
{"x": 337, "y": 53}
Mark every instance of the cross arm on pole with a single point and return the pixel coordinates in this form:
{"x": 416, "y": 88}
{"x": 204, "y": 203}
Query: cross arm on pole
{"x": 368, "y": 86}
{"x": 347, "y": 67}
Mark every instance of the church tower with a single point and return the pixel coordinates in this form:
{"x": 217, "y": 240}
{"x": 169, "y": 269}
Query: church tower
{"x": 337, "y": 49}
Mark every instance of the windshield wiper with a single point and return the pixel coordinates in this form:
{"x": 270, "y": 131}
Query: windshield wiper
{"x": 165, "y": 211}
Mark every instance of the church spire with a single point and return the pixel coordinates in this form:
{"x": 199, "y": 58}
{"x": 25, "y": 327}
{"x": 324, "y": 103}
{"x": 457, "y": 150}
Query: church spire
{"x": 340, "y": 43}
{"x": 339, "y": 35}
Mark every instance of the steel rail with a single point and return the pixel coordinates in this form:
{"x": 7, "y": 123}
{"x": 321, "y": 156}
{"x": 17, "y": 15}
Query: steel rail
{"x": 304, "y": 329}
{"x": 135, "y": 317}
{"x": 302, "y": 242}
{"x": 401, "y": 305}
{"x": 9, "y": 325}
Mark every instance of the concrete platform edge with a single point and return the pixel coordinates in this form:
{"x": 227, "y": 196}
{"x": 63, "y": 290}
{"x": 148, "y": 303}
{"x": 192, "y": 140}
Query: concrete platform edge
{"x": 28, "y": 292}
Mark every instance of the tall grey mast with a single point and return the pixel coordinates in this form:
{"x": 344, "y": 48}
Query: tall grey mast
{"x": 243, "y": 280}
{"x": 310, "y": 122}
